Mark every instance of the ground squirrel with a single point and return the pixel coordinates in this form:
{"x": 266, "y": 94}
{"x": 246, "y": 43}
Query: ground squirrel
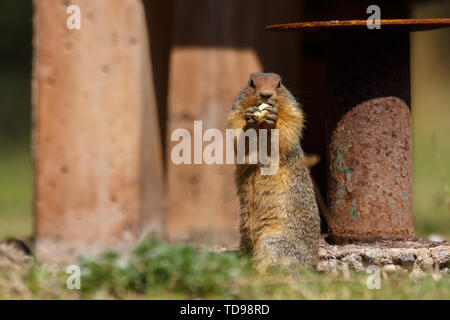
{"x": 279, "y": 218}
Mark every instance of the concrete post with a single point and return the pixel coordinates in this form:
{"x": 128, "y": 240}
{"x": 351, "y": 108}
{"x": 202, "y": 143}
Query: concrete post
{"x": 216, "y": 45}
{"x": 96, "y": 140}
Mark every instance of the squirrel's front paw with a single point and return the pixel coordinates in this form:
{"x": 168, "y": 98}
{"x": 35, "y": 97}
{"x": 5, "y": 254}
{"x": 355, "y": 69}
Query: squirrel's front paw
{"x": 252, "y": 115}
{"x": 263, "y": 114}
{"x": 270, "y": 119}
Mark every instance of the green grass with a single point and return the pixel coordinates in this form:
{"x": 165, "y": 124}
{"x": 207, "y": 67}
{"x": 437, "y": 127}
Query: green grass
{"x": 15, "y": 192}
{"x": 156, "y": 267}
{"x": 431, "y": 115}
{"x": 156, "y": 270}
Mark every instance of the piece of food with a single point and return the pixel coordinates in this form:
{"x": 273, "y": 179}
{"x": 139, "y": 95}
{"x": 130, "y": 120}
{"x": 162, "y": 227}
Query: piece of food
{"x": 261, "y": 114}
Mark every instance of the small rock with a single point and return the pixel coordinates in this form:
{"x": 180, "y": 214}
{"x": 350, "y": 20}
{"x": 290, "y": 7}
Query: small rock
{"x": 326, "y": 265}
{"x": 389, "y": 268}
{"x": 371, "y": 256}
{"x": 354, "y": 261}
{"x": 445, "y": 271}
{"x": 435, "y": 237}
{"x": 427, "y": 263}
{"x": 408, "y": 257}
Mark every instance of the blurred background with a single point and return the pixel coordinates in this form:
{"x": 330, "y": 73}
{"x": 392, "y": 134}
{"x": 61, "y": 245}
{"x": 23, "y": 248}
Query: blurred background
{"x": 430, "y": 75}
{"x": 15, "y": 119}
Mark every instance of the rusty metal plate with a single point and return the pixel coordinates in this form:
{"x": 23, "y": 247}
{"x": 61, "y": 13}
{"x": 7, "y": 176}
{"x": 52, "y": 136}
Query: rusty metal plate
{"x": 390, "y": 24}
{"x": 370, "y": 178}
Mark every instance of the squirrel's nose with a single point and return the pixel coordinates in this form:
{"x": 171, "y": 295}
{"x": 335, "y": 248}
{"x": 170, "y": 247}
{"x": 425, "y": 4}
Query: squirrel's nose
{"x": 266, "y": 94}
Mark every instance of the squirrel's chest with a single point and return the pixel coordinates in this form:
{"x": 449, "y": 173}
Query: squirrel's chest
{"x": 264, "y": 204}
{"x": 261, "y": 194}
{"x": 251, "y": 178}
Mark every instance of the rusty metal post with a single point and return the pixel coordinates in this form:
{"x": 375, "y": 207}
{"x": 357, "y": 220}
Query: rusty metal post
{"x": 369, "y": 135}
{"x": 368, "y": 126}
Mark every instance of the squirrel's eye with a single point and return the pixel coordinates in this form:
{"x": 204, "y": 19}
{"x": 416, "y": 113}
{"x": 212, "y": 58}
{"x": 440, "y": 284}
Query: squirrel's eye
{"x": 279, "y": 84}
{"x": 251, "y": 83}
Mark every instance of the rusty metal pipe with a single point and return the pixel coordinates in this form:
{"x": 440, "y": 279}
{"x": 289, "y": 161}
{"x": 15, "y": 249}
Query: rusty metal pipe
{"x": 369, "y": 136}
{"x": 368, "y": 125}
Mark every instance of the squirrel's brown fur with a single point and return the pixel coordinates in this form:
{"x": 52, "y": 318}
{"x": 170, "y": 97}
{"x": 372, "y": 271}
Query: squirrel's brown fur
{"x": 279, "y": 218}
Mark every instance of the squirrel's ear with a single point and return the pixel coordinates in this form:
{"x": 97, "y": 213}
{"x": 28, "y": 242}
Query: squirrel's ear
{"x": 251, "y": 83}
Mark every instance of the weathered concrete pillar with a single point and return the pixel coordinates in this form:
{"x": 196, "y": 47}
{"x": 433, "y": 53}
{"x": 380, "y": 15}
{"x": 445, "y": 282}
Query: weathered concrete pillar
{"x": 203, "y": 83}
{"x": 97, "y": 152}
{"x": 217, "y": 44}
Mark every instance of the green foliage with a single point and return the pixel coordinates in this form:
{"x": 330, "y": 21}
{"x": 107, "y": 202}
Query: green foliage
{"x": 154, "y": 266}
{"x": 157, "y": 270}
{"x": 35, "y": 277}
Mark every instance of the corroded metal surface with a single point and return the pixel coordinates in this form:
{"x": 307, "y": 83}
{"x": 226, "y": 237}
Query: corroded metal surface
{"x": 364, "y": 130}
{"x": 369, "y": 139}
{"x": 396, "y": 24}
{"x": 370, "y": 178}
{"x": 368, "y": 124}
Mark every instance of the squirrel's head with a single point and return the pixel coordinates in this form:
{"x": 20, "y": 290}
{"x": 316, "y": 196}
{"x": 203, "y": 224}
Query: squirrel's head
{"x": 265, "y": 87}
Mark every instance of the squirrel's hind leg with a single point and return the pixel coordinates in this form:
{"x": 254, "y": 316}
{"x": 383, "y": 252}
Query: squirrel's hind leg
{"x": 278, "y": 252}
